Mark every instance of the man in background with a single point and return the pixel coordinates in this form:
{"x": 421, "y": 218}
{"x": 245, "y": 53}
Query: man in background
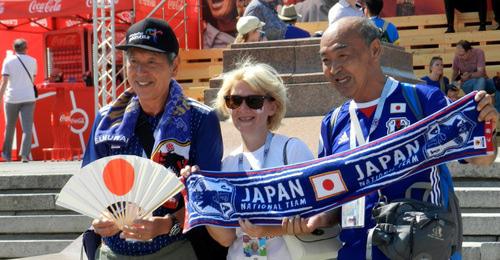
{"x": 389, "y": 31}
{"x": 289, "y": 15}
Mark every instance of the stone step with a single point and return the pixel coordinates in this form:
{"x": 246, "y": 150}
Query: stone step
{"x": 28, "y": 247}
{"x": 302, "y": 56}
{"x": 28, "y": 201}
{"x": 481, "y": 251}
{"x": 44, "y": 224}
{"x": 475, "y": 172}
{"x": 478, "y": 197}
{"x": 36, "y": 175}
{"x": 483, "y": 224}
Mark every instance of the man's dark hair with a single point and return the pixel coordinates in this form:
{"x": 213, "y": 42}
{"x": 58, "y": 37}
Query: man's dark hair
{"x": 466, "y": 45}
{"x": 20, "y": 45}
{"x": 374, "y": 6}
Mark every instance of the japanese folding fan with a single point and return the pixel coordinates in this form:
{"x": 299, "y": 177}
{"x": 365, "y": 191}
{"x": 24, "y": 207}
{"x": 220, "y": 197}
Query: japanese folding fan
{"x": 121, "y": 187}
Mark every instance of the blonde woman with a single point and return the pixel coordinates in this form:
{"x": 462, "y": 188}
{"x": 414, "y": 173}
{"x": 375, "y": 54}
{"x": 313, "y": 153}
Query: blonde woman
{"x": 254, "y": 97}
{"x": 249, "y": 30}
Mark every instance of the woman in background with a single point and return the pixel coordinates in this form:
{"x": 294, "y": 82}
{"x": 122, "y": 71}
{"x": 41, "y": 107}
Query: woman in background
{"x": 437, "y": 79}
{"x": 249, "y": 30}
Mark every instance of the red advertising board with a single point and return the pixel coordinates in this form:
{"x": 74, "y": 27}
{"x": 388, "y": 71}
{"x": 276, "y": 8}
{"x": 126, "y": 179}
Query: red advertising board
{"x": 14, "y": 9}
{"x": 63, "y": 119}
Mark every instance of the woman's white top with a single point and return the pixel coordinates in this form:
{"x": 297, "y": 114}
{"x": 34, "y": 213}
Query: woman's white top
{"x": 297, "y": 151}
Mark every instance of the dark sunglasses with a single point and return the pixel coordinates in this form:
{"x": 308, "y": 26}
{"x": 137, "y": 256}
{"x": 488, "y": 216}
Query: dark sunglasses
{"x": 252, "y": 101}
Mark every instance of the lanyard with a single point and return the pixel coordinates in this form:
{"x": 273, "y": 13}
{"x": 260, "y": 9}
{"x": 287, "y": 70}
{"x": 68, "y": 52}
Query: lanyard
{"x": 267, "y": 146}
{"x": 356, "y": 134}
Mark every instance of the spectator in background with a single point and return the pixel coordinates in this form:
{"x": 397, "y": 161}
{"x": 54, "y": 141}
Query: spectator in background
{"x": 249, "y": 30}
{"x": 314, "y": 10}
{"x": 437, "y": 79}
{"x": 469, "y": 68}
{"x": 241, "y": 5}
{"x": 468, "y": 6}
{"x": 16, "y": 88}
{"x": 220, "y": 23}
{"x": 57, "y": 75}
{"x": 265, "y": 10}
{"x": 344, "y": 8}
{"x": 289, "y": 15}
{"x": 389, "y": 31}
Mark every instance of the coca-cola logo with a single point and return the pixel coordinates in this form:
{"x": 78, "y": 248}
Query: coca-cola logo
{"x": 51, "y": 6}
{"x": 78, "y": 120}
{"x": 2, "y": 8}
{"x": 175, "y": 5}
{"x": 64, "y": 40}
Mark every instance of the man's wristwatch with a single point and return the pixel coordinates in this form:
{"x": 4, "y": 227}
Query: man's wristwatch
{"x": 176, "y": 226}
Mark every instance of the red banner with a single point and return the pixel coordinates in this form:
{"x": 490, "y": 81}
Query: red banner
{"x": 63, "y": 119}
{"x": 14, "y": 9}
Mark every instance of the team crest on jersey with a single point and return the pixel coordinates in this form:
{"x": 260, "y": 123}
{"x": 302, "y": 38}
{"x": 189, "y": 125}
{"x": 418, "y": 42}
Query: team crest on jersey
{"x": 446, "y": 135}
{"x": 221, "y": 197}
{"x": 172, "y": 154}
{"x": 396, "y": 123}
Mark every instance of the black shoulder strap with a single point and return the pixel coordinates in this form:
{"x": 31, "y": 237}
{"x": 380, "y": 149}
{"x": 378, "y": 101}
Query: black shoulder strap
{"x": 285, "y": 157}
{"x": 145, "y": 134}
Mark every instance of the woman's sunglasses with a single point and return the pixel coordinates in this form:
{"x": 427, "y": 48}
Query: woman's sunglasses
{"x": 252, "y": 101}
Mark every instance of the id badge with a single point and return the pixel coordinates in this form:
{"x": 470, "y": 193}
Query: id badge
{"x": 254, "y": 248}
{"x": 353, "y": 214}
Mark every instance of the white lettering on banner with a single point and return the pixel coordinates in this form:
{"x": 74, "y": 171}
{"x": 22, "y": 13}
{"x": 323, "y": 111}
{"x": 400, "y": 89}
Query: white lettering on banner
{"x": 90, "y": 2}
{"x": 2, "y": 8}
{"x": 328, "y": 184}
{"x": 42, "y": 22}
{"x": 289, "y": 190}
{"x": 51, "y": 6}
{"x": 150, "y": 3}
{"x": 11, "y": 22}
{"x": 371, "y": 168}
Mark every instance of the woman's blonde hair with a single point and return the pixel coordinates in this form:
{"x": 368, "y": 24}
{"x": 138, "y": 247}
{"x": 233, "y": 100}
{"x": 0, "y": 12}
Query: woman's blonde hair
{"x": 260, "y": 77}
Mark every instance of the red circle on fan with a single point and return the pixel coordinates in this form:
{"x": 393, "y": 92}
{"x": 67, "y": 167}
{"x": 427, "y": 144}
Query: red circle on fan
{"x": 118, "y": 176}
{"x": 328, "y": 185}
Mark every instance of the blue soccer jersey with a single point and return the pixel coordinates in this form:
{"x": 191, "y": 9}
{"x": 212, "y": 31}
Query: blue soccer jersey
{"x": 396, "y": 114}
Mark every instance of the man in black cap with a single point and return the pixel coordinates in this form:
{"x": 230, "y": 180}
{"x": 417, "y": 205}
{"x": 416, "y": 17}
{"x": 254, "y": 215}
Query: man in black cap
{"x": 154, "y": 119}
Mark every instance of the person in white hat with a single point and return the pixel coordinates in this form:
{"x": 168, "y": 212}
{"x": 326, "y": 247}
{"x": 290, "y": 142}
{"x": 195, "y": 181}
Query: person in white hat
{"x": 249, "y": 30}
{"x": 289, "y": 15}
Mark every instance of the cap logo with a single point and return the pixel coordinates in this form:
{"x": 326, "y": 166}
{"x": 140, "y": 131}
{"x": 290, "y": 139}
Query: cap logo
{"x": 153, "y": 32}
{"x": 148, "y": 34}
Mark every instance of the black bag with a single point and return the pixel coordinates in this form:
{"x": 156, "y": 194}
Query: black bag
{"x": 412, "y": 229}
{"x": 35, "y": 90}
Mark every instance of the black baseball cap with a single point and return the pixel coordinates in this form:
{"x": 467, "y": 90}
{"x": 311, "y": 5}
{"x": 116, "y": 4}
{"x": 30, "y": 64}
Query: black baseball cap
{"x": 151, "y": 34}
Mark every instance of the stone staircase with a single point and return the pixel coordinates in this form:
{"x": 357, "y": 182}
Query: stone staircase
{"x": 30, "y": 222}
